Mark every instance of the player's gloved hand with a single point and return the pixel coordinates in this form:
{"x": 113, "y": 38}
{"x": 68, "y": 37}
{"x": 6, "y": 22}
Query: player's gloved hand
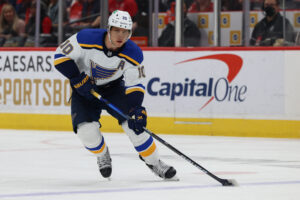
{"x": 139, "y": 119}
{"x": 83, "y": 85}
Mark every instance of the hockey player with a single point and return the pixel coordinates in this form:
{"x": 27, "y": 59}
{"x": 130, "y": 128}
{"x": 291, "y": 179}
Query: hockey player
{"x": 108, "y": 62}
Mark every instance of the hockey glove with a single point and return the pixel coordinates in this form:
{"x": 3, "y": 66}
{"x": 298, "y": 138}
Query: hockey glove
{"x": 83, "y": 85}
{"x": 139, "y": 120}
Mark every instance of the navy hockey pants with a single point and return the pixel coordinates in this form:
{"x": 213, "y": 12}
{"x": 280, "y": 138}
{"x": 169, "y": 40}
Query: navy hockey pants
{"x": 83, "y": 110}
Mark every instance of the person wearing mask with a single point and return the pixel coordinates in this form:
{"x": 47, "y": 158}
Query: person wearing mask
{"x": 201, "y": 6}
{"x": 45, "y": 26}
{"x": 191, "y": 33}
{"x": 269, "y": 31}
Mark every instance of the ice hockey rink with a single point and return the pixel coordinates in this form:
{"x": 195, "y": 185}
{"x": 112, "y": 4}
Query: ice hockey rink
{"x": 42, "y": 165}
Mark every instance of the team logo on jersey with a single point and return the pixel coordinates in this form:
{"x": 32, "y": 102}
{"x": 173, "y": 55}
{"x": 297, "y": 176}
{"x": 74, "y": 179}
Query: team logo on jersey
{"x": 99, "y": 72}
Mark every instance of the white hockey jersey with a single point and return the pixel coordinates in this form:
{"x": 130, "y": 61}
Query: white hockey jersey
{"x": 88, "y": 51}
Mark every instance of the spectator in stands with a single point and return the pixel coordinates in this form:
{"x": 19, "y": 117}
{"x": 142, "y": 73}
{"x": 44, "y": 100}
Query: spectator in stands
{"x": 45, "y": 24}
{"x": 83, "y": 14}
{"x": 126, "y": 5}
{"x": 141, "y": 25}
{"x": 191, "y": 33}
{"x": 201, "y": 6}
{"x": 291, "y": 4}
{"x": 231, "y": 5}
{"x": 91, "y": 8}
{"x": 23, "y": 9}
{"x": 75, "y": 11}
{"x": 12, "y": 28}
{"x": 143, "y": 6}
{"x": 12, "y": 2}
{"x": 255, "y": 4}
{"x": 165, "y": 5}
{"x": 297, "y": 4}
{"x": 2, "y": 3}
{"x": 53, "y": 13}
{"x": 188, "y": 3}
{"x": 269, "y": 31}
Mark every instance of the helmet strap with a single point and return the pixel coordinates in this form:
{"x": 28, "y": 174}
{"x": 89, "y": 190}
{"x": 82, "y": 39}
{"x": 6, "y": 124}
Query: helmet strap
{"x": 108, "y": 32}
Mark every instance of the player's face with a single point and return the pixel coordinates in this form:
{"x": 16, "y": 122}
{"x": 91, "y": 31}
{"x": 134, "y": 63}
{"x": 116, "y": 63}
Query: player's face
{"x": 118, "y": 36}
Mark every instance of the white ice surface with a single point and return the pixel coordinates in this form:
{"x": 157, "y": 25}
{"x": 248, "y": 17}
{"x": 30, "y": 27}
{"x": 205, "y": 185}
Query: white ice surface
{"x": 42, "y": 165}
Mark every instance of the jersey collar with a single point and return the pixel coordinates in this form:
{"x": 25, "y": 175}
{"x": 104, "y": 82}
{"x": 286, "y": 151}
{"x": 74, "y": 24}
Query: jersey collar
{"x": 110, "y": 53}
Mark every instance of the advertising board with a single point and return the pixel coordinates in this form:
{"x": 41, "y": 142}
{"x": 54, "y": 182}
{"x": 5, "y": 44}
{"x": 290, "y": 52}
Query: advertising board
{"x": 235, "y": 92}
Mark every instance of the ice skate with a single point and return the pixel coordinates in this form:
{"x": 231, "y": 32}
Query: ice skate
{"x": 163, "y": 170}
{"x": 104, "y": 163}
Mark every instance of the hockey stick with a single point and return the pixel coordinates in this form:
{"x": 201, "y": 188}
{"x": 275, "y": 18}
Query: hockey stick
{"x": 224, "y": 182}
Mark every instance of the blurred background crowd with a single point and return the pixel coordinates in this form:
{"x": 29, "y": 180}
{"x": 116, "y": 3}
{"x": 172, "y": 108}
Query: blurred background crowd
{"x": 18, "y": 19}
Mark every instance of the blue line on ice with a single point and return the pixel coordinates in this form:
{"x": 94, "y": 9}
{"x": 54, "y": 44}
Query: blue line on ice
{"x": 140, "y": 189}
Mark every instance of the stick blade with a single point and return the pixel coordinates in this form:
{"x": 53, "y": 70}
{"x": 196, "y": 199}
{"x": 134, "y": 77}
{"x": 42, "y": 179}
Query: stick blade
{"x": 230, "y": 182}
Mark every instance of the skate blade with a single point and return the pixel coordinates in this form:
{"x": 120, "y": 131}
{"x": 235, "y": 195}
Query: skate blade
{"x": 174, "y": 178}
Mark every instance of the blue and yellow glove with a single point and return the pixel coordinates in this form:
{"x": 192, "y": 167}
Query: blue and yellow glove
{"x": 139, "y": 119}
{"x": 83, "y": 85}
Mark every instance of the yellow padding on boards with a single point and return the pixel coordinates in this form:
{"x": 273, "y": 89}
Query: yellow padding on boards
{"x": 167, "y": 125}
{"x": 36, "y": 121}
{"x": 226, "y": 127}
{"x": 50, "y": 122}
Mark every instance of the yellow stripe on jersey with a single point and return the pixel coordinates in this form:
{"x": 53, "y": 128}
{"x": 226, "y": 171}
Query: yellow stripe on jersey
{"x": 91, "y": 46}
{"x": 128, "y": 58}
{"x": 78, "y": 85}
{"x": 61, "y": 60}
{"x": 130, "y": 90}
